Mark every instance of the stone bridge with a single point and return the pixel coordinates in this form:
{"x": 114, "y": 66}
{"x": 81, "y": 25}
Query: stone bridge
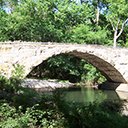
{"x": 111, "y": 62}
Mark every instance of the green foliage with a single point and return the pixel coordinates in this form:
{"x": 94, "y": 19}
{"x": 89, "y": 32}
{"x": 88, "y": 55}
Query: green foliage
{"x": 110, "y": 105}
{"x": 60, "y": 21}
{"x": 18, "y": 71}
{"x": 62, "y": 67}
{"x": 116, "y": 14}
{"x": 86, "y": 34}
{"x": 93, "y": 75}
{"x": 3, "y": 26}
{"x": 54, "y": 111}
{"x": 65, "y": 67}
{"x": 12, "y": 85}
{"x": 10, "y": 117}
{"x": 9, "y": 85}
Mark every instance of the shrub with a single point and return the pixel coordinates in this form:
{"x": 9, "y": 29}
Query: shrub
{"x": 24, "y": 108}
{"x": 12, "y": 85}
{"x": 112, "y": 105}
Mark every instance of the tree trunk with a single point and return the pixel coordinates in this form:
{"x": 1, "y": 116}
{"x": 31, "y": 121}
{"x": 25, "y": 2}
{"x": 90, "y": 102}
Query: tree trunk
{"x": 96, "y": 20}
{"x": 98, "y": 12}
{"x": 115, "y": 39}
{"x": 116, "y": 35}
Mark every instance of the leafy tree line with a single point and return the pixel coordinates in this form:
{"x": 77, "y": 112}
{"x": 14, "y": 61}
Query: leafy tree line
{"x": 102, "y": 22}
{"x": 91, "y": 21}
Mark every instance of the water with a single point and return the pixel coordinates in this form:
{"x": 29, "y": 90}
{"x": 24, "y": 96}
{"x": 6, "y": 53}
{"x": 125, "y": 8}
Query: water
{"x": 90, "y": 95}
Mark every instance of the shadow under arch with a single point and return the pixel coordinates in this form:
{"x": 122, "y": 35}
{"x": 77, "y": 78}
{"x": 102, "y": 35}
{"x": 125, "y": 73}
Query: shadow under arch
{"x": 62, "y": 60}
{"x": 106, "y": 69}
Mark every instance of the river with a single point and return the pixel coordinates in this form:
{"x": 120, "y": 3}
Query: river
{"x": 90, "y": 95}
{"x": 78, "y": 94}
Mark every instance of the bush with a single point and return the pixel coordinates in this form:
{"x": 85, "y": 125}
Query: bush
{"x": 12, "y": 85}
{"x": 112, "y": 105}
{"x": 25, "y": 108}
{"x": 55, "y": 111}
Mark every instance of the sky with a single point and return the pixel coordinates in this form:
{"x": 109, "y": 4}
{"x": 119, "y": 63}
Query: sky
{"x": 77, "y": 1}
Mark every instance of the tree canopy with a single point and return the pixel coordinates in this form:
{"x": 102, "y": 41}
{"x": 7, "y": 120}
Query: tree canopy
{"x": 86, "y": 21}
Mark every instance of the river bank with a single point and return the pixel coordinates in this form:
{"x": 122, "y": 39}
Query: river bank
{"x": 50, "y": 85}
{"x": 45, "y": 85}
{"x": 26, "y": 108}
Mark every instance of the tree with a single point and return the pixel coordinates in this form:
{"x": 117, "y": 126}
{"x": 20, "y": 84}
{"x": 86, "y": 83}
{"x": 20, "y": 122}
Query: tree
{"x": 118, "y": 17}
{"x": 87, "y": 34}
{"x": 2, "y": 4}
{"x": 97, "y": 7}
{"x": 3, "y": 24}
{"x": 96, "y": 4}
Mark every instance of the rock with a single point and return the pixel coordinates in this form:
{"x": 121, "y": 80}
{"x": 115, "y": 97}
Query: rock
{"x": 47, "y": 85}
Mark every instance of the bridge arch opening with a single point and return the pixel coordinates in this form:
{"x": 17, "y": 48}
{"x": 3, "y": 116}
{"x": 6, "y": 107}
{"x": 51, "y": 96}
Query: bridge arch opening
{"x": 106, "y": 69}
{"x": 66, "y": 67}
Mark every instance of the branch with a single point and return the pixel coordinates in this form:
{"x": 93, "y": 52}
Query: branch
{"x": 117, "y": 26}
{"x": 98, "y": 12}
{"x": 112, "y": 24}
{"x": 93, "y": 20}
{"x": 122, "y": 27}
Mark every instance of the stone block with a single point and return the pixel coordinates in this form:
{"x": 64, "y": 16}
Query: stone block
{"x": 5, "y": 50}
{"x": 122, "y": 87}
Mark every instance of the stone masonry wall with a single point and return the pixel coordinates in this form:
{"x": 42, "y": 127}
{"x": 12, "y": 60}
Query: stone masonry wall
{"x": 112, "y": 62}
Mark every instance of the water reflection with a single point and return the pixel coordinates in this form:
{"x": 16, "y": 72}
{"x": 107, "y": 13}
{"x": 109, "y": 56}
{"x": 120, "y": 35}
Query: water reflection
{"x": 90, "y": 95}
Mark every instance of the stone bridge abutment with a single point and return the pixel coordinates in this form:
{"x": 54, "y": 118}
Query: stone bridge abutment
{"x": 111, "y": 62}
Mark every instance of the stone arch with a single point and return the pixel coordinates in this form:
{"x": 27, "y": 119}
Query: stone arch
{"x": 112, "y": 62}
{"x": 106, "y": 69}
{"x": 104, "y": 66}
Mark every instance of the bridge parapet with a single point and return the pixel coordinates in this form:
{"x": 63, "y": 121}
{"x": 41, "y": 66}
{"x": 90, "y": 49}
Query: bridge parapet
{"x": 112, "y": 62}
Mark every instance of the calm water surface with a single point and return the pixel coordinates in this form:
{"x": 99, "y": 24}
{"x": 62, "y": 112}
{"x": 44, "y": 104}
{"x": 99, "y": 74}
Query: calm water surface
{"x": 90, "y": 95}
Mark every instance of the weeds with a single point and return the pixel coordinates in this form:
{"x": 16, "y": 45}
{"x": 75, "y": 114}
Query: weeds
{"x": 25, "y": 108}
